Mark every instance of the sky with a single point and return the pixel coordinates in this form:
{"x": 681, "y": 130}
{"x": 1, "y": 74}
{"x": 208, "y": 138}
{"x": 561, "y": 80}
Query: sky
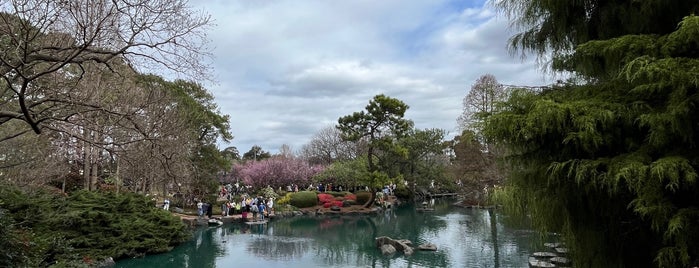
{"x": 284, "y": 70}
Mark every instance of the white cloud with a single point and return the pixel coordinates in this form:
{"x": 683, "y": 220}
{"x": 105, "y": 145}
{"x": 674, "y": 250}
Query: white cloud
{"x": 286, "y": 69}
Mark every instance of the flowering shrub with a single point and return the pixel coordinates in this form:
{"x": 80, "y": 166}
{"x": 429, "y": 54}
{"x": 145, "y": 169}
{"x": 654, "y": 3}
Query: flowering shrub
{"x": 276, "y": 172}
{"x": 324, "y": 198}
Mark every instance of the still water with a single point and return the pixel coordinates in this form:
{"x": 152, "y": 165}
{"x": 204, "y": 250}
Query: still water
{"x": 464, "y": 238}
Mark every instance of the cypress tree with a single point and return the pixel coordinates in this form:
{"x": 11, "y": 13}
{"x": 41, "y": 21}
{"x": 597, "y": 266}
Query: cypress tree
{"x": 611, "y": 162}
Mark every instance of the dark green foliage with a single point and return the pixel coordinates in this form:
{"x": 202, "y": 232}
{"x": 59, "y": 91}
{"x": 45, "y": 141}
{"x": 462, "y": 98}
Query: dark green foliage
{"x": 612, "y": 163}
{"x": 380, "y": 124}
{"x": 363, "y": 197}
{"x": 85, "y": 226}
{"x": 304, "y": 199}
{"x": 403, "y": 192}
{"x": 337, "y": 194}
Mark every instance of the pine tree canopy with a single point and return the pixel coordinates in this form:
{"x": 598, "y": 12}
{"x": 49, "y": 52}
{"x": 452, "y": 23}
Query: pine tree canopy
{"x": 611, "y": 162}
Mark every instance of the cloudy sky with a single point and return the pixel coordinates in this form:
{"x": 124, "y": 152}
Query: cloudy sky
{"x": 286, "y": 69}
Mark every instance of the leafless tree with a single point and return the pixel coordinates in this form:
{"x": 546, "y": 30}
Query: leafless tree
{"x": 327, "y": 146}
{"x": 47, "y": 44}
{"x": 480, "y": 101}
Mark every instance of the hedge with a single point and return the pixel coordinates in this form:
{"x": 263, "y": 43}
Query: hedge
{"x": 304, "y": 199}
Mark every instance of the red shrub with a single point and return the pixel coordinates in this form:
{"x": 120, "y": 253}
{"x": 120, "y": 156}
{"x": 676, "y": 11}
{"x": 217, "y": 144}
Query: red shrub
{"x": 327, "y": 205}
{"x": 324, "y": 198}
{"x": 338, "y": 203}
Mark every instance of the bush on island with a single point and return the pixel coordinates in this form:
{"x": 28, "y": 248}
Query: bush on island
{"x": 324, "y": 198}
{"x": 304, "y": 199}
{"x": 336, "y": 194}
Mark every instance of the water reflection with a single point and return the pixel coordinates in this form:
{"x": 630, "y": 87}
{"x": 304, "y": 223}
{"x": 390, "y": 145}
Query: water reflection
{"x": 464, "y": 237}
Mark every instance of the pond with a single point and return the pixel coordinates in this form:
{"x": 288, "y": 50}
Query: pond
{"x": 464, "y": 238}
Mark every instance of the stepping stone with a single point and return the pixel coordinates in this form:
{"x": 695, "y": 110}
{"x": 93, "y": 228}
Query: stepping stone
{"x": 562, "y": 250}
{"x": 553, "y": 245}
{"x": 560, "y": 260}
{"x": 536, "y": 263}
{"x": 544, "y": 255}
{"x": 428, "y": 247}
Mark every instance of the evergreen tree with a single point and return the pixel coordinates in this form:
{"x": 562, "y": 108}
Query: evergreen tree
{"x": 381, "y": 125}
{"x": 612, "y": 162}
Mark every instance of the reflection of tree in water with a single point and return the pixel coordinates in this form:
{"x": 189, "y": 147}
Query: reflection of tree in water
{"x": 203, "y": 253}
{"x": 279, "y": 248}
{"x": 465, "y": 238}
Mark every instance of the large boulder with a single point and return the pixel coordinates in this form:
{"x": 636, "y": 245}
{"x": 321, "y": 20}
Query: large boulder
{"x": 387, "y": 249}
{"x": 399, "y": 245}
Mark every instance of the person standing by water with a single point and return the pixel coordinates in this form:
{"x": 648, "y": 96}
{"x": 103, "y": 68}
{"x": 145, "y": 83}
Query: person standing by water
{"x": 262, "y": 208}
{"x": 166, "y": 204}
{"x": 200, "y": 208}
{"x": 270, "y": 205}
{"x": 209, "y": 210}
{"x": 255, "y": 209}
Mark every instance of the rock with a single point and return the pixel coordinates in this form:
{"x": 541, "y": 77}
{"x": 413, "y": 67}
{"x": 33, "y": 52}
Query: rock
{"x": 406, "y": 242}
{"x": 398, "y": 245}
{"x": 427, "y": 247}
{"x": 544, "y": 255}
{"x": 106, "y": 263}
{"x": 407, "y": 251}
{"x": 562, "y": 250}
{"x": 560, "y": 260}
{"x": 536, "y": 263}
{"x": 178, "y": 210}
{"x": 388, "y": 249}
{"x": 335, "y": 208}
{"x": 553, "y": 245}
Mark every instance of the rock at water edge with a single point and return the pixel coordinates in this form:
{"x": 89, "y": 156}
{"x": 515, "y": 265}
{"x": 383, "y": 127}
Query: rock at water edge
{"x": 536, "y": 263}
{"x": 560, "y": 260}
{"x": 553, "y": 245}
{"x": 562, "y": 250}
{"x": 428, "y": 247}
{"x": 544, "y": 255}
{"x": 388, "y": 249}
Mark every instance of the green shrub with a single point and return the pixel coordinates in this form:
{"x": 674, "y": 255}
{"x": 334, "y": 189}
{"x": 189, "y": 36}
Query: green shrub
{"x": 337, "y": 194}
{"x": 363, "y": 197}
{"x": 304, "y": 199}
{"x": 285, "y": 200}
{"x": 83, "y": 227}
{"x": 403, "y": 192}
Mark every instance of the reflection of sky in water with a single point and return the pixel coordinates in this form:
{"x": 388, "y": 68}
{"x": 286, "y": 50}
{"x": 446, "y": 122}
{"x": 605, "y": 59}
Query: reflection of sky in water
{"x": 464, "y": 238}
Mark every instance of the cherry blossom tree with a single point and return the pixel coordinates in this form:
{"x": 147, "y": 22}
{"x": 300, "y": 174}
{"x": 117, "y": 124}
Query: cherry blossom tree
{"x": 276, "y": 172}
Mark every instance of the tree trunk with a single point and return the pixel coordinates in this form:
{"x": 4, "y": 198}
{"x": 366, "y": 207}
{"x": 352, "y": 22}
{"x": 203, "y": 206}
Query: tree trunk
{"x": 370, "y": 203}
{"x": 86, "y": 161}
